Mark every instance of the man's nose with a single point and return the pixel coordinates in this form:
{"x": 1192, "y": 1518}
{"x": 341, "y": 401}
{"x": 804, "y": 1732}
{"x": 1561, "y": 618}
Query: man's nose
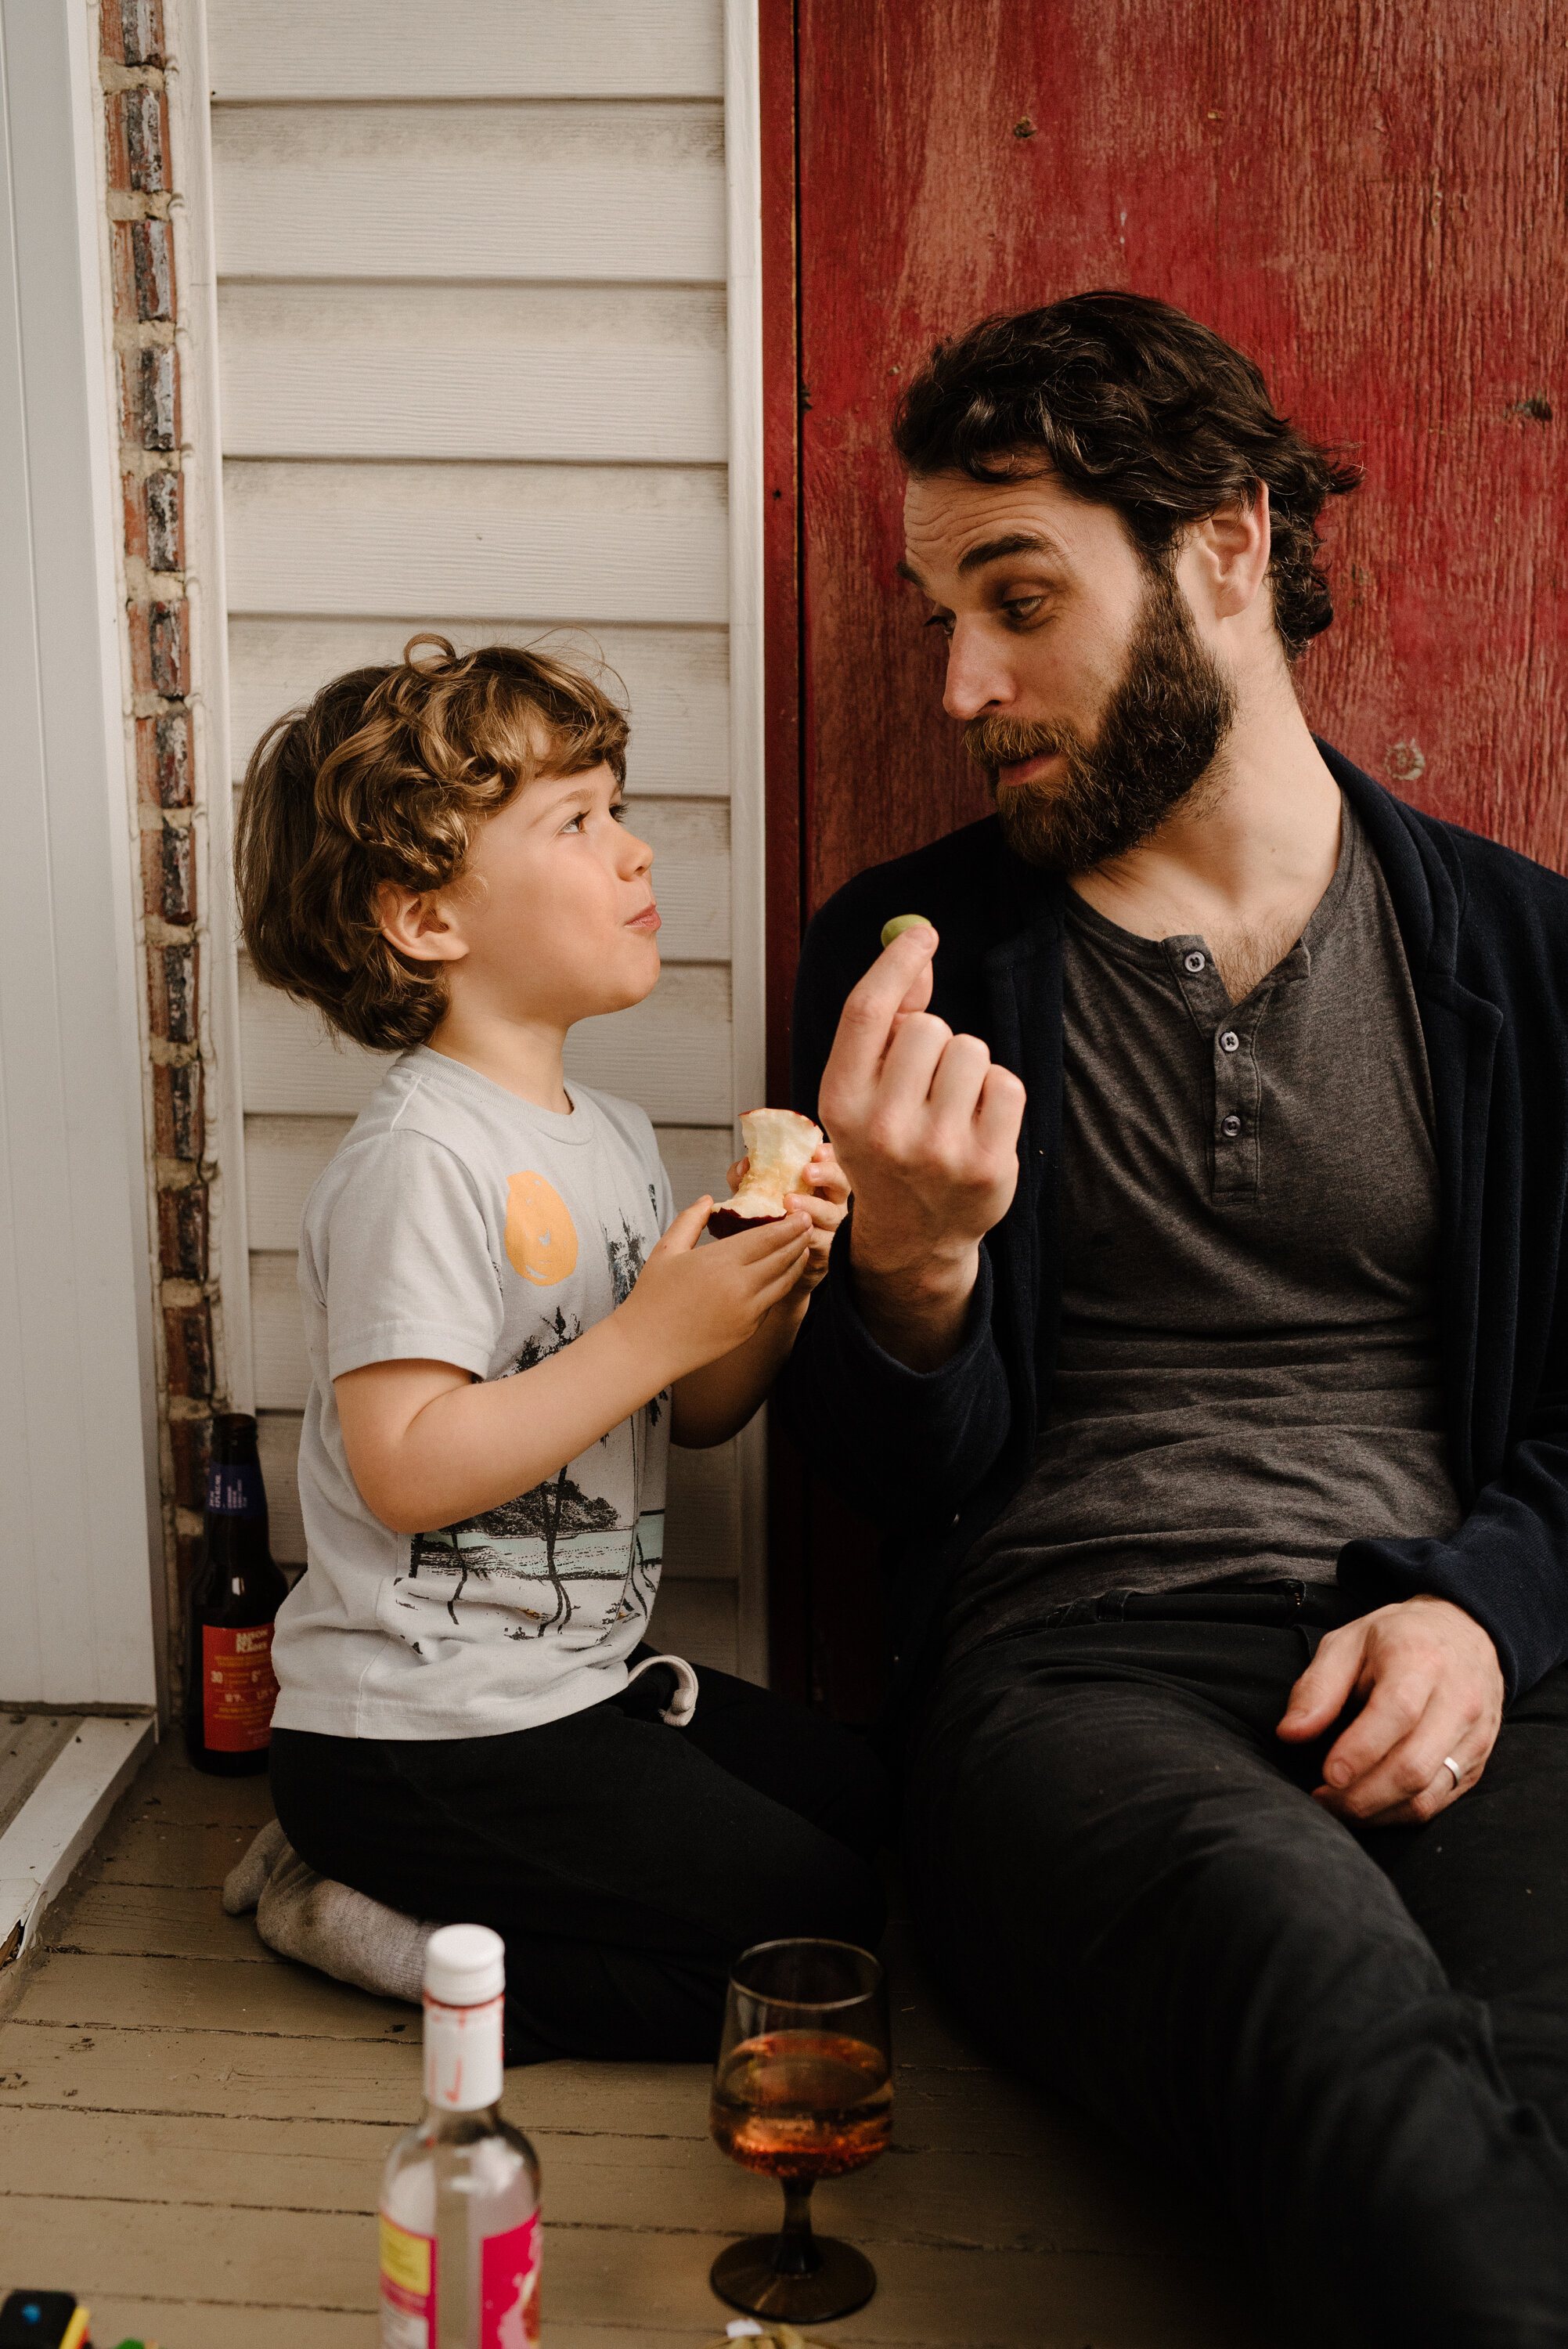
{"x": 979, "y": 675}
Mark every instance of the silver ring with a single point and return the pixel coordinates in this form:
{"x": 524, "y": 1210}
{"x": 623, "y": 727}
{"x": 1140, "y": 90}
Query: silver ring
{"x": 1450, "y": 1763}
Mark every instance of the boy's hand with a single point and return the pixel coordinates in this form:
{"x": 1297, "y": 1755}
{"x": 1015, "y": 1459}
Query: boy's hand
{"x": 826, "y": 1201}
{"x": 697, "y": 1303}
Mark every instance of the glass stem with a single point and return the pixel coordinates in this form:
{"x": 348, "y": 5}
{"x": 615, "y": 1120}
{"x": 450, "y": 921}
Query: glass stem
{"x": 795, "y": 2252}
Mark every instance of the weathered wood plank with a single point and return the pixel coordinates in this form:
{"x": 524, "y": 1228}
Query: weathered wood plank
{"x": 986, "y": 2201}
{"x": 28, "y": 1743}
{"x": 157, "y": 2067}
{"x": 559, "y": 374}
{"x": 169, "y": 1792}
{"x": 670, "y": 1053}
{"x": 675, "y": 682}
{"x": 504, "y": 191}
{"x": 198, "y": 2324}
{"x": 144, "y": 1851}
{"x": 114, "y": 1920}
{"x": 613, "y": 2276}
{"x": 487, "y": 49}
{"x": 198, "y": 1994}
{"x": 611, "y": 543}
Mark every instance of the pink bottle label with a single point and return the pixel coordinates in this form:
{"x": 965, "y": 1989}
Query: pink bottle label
{"x": 508, "y": 2288}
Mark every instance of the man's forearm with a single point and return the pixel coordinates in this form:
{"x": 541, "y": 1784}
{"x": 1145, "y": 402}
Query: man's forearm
{"x": 915, "y": 1312}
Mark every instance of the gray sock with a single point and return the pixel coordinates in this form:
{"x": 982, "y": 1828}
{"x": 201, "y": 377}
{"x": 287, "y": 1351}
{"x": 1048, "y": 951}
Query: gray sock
{"x": 324, "y": 1924}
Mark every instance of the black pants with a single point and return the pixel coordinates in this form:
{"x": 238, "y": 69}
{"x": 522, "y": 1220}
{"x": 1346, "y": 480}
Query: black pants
{"x": 626, "y": 1864}
{"x": 1360, "y": 2039}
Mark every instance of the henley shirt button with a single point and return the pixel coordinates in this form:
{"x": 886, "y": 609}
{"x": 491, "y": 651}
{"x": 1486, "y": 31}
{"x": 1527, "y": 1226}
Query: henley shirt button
{"x": 1230, "y": 1127}
{"x": 1230, "y": 1041}
{"x": 1194, "y": 962}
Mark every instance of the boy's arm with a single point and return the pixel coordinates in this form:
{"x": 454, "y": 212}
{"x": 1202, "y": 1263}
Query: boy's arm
{"x": 429, "y": 1446}
{"x": 714, "y": 1403}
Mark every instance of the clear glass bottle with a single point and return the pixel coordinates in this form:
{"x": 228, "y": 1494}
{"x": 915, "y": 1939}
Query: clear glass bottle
{"x": 459, "y": 2198}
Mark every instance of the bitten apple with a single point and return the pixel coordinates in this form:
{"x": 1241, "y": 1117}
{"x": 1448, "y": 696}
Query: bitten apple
{"x": 780, "y": 1146}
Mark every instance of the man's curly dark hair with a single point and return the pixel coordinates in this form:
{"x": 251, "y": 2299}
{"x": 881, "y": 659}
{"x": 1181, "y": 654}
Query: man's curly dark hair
{"x": 1131, "y": 404}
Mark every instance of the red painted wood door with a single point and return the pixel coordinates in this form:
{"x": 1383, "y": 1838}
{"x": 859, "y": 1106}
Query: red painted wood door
{"x": 1366, "y": 195}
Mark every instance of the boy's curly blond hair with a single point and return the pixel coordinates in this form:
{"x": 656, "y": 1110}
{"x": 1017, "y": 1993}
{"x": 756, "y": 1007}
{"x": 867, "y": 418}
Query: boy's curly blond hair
{"x": 383, "y": 778}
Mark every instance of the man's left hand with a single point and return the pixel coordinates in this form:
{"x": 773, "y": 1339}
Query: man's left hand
{"x": 1430, "y": 1689}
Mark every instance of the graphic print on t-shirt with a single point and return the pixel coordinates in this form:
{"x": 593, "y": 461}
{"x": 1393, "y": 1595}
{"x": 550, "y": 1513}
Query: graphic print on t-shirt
{"x": 594, "y": 1565}
{"x": 540, "y": 1237}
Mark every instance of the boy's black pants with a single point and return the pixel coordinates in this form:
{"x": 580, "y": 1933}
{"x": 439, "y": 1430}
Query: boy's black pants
{"x": 1361, "y": 2039}
{"x": 626, "y": 1864}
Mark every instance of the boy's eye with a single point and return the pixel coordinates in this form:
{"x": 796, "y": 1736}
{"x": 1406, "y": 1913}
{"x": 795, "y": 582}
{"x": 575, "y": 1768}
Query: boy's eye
{"x": 618, "y": 809}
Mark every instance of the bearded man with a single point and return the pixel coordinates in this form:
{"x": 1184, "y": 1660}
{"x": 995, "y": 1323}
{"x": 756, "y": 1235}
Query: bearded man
{"x": 1200, "y": 1332}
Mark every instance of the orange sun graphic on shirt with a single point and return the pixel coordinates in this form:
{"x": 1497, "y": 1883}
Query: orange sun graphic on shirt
{"x": 541, "y": 1238}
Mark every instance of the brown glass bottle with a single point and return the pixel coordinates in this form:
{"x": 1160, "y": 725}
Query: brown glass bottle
{"x": 235, "y": 1592}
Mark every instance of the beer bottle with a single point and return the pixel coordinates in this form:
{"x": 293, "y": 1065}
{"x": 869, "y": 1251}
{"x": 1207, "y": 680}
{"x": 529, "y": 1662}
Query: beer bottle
{"x": 234, "y": 1594}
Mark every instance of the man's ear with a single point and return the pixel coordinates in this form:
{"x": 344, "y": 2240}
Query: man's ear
{"x": 1233, "y": 547}
{"x": 419, "y": 923}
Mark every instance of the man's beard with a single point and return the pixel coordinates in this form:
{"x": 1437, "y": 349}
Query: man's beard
{"x": 1158, "y": 736}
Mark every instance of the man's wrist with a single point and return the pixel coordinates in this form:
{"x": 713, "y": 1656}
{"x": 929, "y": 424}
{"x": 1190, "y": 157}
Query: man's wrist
{"x": 915, "y": 1309}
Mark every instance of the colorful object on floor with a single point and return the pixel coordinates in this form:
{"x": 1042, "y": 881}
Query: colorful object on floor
{"x": 44, "y": 2320}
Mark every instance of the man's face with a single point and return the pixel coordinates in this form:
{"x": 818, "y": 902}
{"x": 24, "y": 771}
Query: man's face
{"x": 1086, "y": 692}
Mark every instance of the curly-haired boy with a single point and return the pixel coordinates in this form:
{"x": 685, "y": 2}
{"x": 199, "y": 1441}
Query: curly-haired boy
{"x": 506, "y": 1327}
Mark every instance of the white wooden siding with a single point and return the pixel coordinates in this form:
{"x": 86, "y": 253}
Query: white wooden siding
{"x": 569, "y": 374}
{"x": 515, "y": 190}
{"x": 583, "y": 541}
{"x": 474, "y": 370}
{"x": 676, "y": 681}
{"x": 483, "y": 49}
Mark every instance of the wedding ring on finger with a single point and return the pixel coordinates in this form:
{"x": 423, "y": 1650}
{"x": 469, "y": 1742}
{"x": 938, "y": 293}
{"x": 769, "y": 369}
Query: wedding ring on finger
{"x": 1453, "y": 1768}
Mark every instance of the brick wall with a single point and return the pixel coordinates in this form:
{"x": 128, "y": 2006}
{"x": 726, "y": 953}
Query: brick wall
{"x": 142, "y": 204}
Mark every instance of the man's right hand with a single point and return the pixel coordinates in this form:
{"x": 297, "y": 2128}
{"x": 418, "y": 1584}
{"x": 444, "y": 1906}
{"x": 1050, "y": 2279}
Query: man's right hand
{"x": 927, "y": 1128}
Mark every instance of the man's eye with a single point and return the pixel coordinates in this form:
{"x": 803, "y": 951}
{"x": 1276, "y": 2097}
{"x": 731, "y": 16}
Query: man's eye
{"x": 1024, "y": 607}
{"x": 942, "y": 620}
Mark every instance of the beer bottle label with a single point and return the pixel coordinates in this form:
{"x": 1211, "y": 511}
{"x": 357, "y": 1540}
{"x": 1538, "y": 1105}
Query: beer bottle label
{"x": 234, "y": 1489}
{"x": 239, "y": 1688}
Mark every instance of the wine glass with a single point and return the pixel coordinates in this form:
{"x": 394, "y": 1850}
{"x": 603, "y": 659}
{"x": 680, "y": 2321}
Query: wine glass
{"x": 802, "y": 2090}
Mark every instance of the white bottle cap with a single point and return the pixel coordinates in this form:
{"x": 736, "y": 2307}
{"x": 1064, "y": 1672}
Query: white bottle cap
{"x": 464, "y": 1965}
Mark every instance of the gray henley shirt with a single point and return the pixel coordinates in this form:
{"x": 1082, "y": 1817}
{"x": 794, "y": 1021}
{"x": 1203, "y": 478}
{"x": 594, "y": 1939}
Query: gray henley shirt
{"x": 1249, "y": 1370}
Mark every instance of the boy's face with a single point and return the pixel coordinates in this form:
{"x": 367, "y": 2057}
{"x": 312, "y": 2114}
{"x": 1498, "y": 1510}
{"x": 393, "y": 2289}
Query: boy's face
{"x": 552, "y": 919}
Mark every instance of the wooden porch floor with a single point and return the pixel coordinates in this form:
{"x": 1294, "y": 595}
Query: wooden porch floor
{"x": 194, "y": 2132}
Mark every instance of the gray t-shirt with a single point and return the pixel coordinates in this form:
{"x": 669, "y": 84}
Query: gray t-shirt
{"x": 459, "y": 1224}
{"x": 1249, "y": 1371}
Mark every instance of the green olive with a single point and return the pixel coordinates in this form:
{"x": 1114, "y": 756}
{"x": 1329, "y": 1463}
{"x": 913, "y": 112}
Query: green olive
{"x": 902, "y": 922}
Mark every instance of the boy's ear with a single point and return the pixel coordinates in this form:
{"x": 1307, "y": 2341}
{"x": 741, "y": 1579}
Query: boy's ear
{"x": 418, "y": 923}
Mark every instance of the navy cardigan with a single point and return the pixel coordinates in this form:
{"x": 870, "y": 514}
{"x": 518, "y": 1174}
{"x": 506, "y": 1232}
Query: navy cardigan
{"x": 933, "y": 1455}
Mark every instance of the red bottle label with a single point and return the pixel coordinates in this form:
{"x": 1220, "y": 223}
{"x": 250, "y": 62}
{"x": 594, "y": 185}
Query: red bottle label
{"x": 508, "y": 2288}
{"x": 239, "y": 1688}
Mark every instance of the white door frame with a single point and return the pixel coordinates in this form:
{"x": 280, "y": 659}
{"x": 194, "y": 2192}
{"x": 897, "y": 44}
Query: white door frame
{"x": 81, "y": 1568}
{"x": 747, "y": 804}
